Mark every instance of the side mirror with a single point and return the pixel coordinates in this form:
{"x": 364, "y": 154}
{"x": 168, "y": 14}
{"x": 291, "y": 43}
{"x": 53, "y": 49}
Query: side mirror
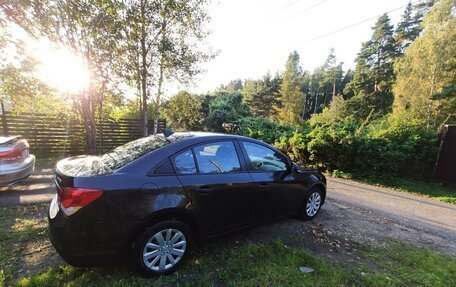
{"x": 295, "y": 168}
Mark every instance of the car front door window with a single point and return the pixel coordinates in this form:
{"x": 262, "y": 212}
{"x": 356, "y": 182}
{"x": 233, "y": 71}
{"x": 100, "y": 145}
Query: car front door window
{"x": 264, "y": 159}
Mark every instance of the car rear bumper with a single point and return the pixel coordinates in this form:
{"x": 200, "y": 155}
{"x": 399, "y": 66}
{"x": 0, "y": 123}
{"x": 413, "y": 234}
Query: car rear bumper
{"x": 11, "y": 173}
{"x": 81, "y": 240}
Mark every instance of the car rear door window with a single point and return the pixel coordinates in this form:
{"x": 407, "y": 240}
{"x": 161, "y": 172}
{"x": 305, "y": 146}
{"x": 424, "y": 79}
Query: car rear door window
{"x": 218, "y": 157}
{"x": 185, "y": 163}
{"x": 264, "y": 159}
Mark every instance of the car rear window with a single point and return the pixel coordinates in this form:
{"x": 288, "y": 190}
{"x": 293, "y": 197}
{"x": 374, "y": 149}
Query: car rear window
{"x": 128, "y": 152}
{"x": 118, "y": 157}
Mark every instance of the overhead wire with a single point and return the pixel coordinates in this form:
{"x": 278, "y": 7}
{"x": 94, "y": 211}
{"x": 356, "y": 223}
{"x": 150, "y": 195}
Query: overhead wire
{"x": 306, "y": 9}
{"x": 351, "y": 25}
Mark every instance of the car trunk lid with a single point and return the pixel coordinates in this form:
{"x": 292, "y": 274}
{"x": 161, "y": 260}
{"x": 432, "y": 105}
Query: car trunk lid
{"x": 8, "y": 140}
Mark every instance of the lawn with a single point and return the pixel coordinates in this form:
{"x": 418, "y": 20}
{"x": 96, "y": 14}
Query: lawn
{"x": 273, "y": 263}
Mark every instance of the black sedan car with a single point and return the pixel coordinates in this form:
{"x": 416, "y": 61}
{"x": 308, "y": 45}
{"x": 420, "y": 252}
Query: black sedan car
{"x": 153, "y": 197}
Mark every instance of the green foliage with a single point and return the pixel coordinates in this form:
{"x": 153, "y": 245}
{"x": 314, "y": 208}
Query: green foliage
{"x": 374, "y": 74}
{"x": 262, "y": 96}
{"x": 225, "y": 108}
{"x": 262, "y": 129}
{"x": 183, "y": 112}
{"x": 408, "y": 28}
{"x": 291, "y": 109}
{"x": 424, "y": 89}
{"x": 294, "y": 146}
{"x": 335, "y": 140}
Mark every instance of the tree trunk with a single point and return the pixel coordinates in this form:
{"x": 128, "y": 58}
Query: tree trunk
{"x": 316, "y": 102}
{"x": 4, "y": 122}
{"x": 89, "y": 124}
{"x": 144, "y": 70}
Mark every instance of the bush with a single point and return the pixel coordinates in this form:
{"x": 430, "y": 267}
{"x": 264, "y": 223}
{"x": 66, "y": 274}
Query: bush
{"x": 389, "y": 147}
{"x": 295, "y": 146}
{"x": 263, "y": 129}
{"x": 225, "y": 108}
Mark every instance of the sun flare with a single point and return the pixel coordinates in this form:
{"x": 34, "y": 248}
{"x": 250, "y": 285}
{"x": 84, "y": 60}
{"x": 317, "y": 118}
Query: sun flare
{"x": 62, "y": 69}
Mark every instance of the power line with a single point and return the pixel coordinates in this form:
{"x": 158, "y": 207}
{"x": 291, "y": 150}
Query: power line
{"x": 306, "y": 9}
{"x": 286, "y": 6}
{"x": 351, "y": 25}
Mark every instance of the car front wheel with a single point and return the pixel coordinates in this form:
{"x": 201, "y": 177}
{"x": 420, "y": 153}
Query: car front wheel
{"x": 312, "y": 204}
{"x": 162, "y": 248}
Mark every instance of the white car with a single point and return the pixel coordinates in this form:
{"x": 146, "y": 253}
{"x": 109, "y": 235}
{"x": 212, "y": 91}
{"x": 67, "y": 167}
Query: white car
{"x": 16, "y": 163}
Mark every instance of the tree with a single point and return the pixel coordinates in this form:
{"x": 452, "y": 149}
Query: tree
{"x": 19, "y": 84}
{"x": 332, "y": 78}
{"x": 292, "y": 97}
{"x": 407, "y": 29}
{"x": 262, "y": 95}
{"x": 86, "y": 27}
{"x": 225, "y": 108}
{"x": 162, "y": 45}
{"x": 233, "y": 86}
{"x": 425, "y": 88}
{"x": 374, "y": 74}
{"x": 346, "y": 91}
{"x": 183, "y": 112}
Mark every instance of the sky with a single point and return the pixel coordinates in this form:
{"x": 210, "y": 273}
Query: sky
{"x": 255, "y": 36}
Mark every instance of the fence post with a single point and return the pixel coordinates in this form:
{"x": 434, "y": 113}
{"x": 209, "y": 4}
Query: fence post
{"x": 4, "y": 122}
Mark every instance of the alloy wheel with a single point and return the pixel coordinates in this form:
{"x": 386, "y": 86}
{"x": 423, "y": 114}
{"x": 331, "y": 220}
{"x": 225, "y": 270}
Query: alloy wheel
{"x": 164, "y": 249}
{"x": 313, "y": 204}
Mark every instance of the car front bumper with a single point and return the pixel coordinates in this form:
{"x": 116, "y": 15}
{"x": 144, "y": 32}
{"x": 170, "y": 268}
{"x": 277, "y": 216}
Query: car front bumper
{"x": 11, "y": 173}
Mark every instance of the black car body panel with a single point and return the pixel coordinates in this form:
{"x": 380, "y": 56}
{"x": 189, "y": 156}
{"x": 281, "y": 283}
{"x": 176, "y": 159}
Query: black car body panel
{"x": 149, "y": 189}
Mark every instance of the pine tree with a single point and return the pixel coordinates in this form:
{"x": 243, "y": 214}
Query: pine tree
{"x": 291, "y": 94}
{"x": 425, "y": 88}
{"x": 262, "y": 95}
{"x": 408, "y": 28}
{"x": 332, "y": 78}
{"x": 374, "y": 74}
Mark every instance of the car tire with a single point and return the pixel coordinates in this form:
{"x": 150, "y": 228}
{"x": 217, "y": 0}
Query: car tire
{"x": 162, "y": 248}
{"x": 312, "y": 204}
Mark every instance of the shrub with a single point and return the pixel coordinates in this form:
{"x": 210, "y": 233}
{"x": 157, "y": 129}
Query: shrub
{"x": 388, "y": 147}
{"x": 262, "y": 129}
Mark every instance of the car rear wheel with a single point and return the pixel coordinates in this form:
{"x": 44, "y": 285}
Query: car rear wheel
{"x": 162, "y": 248}
{"x": 312, "y": 204}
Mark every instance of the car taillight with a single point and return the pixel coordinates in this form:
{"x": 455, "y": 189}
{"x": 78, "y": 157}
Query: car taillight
{"x": 72, "y": 198}
{"x": 10, "y": 154}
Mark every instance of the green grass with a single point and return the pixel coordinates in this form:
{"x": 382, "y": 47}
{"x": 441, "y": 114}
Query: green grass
{"x": 402, "y": 264}
{"x": 18, "y": 226}
{"x": 273, "y": 264}
{"x": 253, "y": 264}
{"x": 438, "y": 191}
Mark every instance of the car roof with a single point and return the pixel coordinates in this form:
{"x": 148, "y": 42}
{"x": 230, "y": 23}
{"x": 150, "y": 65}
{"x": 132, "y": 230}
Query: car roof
{"x": 195, "y": 137}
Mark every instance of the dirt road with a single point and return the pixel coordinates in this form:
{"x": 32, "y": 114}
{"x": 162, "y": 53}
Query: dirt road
{"x": 354, "y": 211}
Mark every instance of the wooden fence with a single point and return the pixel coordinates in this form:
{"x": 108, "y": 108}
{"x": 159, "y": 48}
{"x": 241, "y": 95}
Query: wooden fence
{"x": 49, "y": 135}
{"x": 446, "y": 165}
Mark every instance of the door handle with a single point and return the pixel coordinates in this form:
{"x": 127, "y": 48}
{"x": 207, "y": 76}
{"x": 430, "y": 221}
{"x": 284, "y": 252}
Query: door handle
{"x": 204, "y": 190}
{"x": 263, "y": 185}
